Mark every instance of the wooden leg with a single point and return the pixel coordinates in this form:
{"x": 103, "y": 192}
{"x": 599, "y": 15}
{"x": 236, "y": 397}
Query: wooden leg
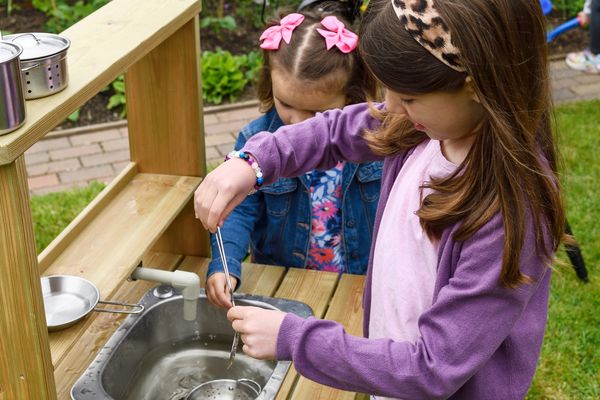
{"x": 165, "y": 123}
{"x": 25, "y": 362}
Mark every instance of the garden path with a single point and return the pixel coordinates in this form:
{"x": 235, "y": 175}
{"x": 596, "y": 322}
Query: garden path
{"x": 76, "y": 157}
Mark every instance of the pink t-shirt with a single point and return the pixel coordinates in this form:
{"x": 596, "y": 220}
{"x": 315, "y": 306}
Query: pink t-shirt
{"x": 405, "y": 259}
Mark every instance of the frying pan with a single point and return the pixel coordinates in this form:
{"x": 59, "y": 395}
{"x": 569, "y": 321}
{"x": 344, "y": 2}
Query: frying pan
{"x": 68, "y": 299}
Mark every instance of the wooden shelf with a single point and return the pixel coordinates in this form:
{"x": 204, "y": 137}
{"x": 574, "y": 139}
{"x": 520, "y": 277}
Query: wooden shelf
{"x": 113, "y": 234}
{"x": 156, "y": 43}
{"x": 103, "y": 45}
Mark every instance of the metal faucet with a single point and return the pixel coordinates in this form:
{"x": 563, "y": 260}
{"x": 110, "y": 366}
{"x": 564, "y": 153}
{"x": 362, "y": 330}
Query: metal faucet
{"x": 187, "y": 282}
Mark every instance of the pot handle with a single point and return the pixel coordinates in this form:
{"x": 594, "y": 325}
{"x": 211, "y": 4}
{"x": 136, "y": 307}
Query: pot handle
{"x": 30, "y": 67}
{"x": 136, "y": 308}
{"x": 252, "y": 384}
{"x": 25, "y": 34}
{"x": 38, "y": 64}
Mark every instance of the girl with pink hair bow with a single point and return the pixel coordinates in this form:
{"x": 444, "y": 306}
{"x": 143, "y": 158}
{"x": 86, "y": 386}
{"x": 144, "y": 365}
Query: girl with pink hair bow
{"x": 311, "y": 64}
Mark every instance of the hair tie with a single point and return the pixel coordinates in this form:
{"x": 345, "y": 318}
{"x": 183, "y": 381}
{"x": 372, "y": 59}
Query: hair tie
{"x": 272, "y": 36}
{"x": 337, "y": 35}
{"x": 423, "y": 22}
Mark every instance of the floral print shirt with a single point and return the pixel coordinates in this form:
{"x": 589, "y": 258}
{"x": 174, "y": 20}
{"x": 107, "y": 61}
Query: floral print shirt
{"x": 325, "y": 251}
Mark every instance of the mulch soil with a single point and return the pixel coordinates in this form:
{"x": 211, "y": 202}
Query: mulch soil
{"x": 240, "y": 41}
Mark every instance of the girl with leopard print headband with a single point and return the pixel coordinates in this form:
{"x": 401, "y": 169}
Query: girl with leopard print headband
{"x": 470, "y": 216}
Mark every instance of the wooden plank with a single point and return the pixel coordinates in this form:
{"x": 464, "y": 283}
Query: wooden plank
{"x": 260, "y": 279}
{"x": 314, "y": 288}
{"x": 257, "y": 279}
{"x": 164, "y": 107}
{"x": 100, "y": 327}
{"x": 345, "y": 308}
{"x": 165, "y": 124}
{"x": 110, "y": 246}
{"x": 103, "y": 45}
{"x": 25, "y": 363}
{"x": 64, "y": 239}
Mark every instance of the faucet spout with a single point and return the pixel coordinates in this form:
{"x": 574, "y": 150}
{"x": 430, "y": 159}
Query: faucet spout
{"x": 187, "y": 282}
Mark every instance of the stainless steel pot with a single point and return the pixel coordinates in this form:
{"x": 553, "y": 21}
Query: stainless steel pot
{"x": 12, "y": 103}
{"x": 43, "y": 62}
{"x": 226, "y": 389}
{"x": 68, "y": 299}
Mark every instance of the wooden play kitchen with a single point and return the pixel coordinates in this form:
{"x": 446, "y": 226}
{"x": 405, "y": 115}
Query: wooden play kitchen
{"x": 145, "y": 213}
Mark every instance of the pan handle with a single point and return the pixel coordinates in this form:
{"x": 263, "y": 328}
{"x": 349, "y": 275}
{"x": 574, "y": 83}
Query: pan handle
{"x": 136, "y": 308}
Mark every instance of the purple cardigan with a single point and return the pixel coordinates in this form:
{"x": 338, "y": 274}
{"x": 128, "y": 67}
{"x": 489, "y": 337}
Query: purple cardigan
{"x": 478, "y": 340}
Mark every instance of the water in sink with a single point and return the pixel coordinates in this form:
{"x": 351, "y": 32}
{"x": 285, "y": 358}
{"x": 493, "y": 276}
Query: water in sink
{"x": 183, "y": 366}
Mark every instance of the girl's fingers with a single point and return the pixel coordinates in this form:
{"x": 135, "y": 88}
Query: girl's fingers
{"x": 203, "y": 200}
{"x": 213, "y": 295}
{"x": 215, "y": 214}
{"x": 225, "y": 297}
{"x": 222, "y": 190}
{"x": 217, "y": 290}
{"x": 237, "y": 313}
{"x": 232, "y": 204}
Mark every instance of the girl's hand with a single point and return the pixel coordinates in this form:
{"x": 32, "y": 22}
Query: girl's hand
{"x": 258, "y": 329}
{"x": 221, "y": 191}
{"x": 217, "y": 290}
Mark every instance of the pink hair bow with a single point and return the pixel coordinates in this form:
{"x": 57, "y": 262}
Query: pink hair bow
{"x": 337, "y": 35}
{"x": 272, "y": 36}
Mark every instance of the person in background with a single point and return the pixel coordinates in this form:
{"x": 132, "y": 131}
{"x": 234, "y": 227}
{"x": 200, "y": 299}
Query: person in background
{"x": 588, "y": 60}
{"x": 322, "y": 219}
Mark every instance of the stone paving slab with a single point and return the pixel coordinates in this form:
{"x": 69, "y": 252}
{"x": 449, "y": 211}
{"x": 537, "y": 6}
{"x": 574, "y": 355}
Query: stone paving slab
{"x": 66, "y": 160}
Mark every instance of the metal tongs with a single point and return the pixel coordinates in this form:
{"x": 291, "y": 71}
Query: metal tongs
{"x": 236, "y": 336}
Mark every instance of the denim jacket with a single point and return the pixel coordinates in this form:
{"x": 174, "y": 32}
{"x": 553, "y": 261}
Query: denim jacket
{"x": 275, "y": 222}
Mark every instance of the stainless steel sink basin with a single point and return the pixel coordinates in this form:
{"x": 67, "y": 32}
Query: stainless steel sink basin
{"x": 157, "y": 355}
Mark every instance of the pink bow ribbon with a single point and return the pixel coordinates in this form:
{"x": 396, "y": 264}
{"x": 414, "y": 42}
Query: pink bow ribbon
{"x": 337, "y": 35}
{"x": 272, "y": 36}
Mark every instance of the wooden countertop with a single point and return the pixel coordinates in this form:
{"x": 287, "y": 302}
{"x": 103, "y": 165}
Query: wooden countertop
{"x": 328, "y": 295}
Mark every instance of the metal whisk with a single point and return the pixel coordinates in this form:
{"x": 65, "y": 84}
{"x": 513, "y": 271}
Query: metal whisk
{"x": 236, "y": 336}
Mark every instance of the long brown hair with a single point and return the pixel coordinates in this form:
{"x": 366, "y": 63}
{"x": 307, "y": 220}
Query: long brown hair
{"x": 511, "y": 167}
{"x": 307, "y": 59}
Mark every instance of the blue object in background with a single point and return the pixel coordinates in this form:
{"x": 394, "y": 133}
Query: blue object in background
{"x": 570, "y": 24}
{"x": 546, "y": 6}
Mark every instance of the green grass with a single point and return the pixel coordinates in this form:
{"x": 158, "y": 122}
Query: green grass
{"x": 570, "y": 363}
{"x": 52, "y": 212}
{"x": 569, "y": 367}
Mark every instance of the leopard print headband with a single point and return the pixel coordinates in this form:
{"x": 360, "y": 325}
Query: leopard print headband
{"x": 422, "y": 21}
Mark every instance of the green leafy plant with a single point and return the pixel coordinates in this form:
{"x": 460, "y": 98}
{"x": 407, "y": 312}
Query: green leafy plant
{"x": 254, "y": 62}
{"x": 225, "y": 75}
{"x": 64, "y": 14}
{"x": 10, "y": 7}
{"x": 216, "y": 24}
{"x": 74, "y": 115}
{"x": 44, "y": 6}
{"x": 568, "y": 7}
{"x": 118, "y": 100}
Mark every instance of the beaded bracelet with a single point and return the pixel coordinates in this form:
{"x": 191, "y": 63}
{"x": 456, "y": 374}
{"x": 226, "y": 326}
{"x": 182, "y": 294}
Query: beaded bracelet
{"x": 252, "y": 162}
